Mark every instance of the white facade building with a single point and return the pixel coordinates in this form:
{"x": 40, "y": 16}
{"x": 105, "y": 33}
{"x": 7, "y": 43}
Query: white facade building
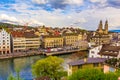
{"x": 104, "y": 51}
{"x": 93, "y": 52}
{"x": 4, "y": 42}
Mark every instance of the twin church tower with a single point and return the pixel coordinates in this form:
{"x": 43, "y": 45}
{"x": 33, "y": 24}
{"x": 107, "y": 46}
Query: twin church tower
{"x": 102, "y": 30}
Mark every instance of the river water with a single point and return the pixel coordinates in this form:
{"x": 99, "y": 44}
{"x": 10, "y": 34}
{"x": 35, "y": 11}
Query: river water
{"x": 24, "y": 64}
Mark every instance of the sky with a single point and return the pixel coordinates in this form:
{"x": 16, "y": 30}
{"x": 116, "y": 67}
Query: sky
{"x": 84, "y": 14}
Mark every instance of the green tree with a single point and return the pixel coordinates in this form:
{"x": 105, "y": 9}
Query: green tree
{"x": 50, "y": 66}
{"x": 11, "y": 77}
{"x": 17, "y": 77}
{"x": 93, "y": 74}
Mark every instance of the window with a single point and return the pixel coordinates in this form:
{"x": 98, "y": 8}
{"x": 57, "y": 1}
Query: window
{"x": 3, "y": 40}
{"x": 79, "y": 66}
{"x": 7, "y": 51}
{"x": 4, "y": 43}
{"x": 92, "y": 52}
{"x": 96, "y": 64}
{"x": 3, "y": 52}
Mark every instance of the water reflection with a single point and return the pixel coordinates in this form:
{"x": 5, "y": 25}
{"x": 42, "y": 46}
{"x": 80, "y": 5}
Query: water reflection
{"x": 24, "y": 64}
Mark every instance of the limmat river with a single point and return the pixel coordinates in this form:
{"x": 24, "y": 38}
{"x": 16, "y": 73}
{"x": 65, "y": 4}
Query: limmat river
{"x": 9, "y": 66}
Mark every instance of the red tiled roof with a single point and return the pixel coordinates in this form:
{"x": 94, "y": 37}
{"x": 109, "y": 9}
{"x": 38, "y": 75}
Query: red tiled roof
{"x": 17, "y": 34}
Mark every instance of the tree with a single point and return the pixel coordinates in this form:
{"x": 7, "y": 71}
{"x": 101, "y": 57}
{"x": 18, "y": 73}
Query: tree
{"x": 92, "y": 74}
{"x": 50, "y": 66}
{"x": 11, "y": 77}
{"x": 17, "y": 77}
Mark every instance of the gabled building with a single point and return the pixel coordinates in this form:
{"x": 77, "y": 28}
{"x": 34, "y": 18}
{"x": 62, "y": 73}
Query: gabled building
{"x": 5, "y": 42}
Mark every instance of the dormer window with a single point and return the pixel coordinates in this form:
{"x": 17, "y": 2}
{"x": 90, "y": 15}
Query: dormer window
{"x": 115, "y": 52}
{"x": 106, "y": 51}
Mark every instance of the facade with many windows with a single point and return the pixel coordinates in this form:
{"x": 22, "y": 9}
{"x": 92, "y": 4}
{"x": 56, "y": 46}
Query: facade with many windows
{"x": 52, "y": 41}
{"x": 70, "y": 39}
{"x": 23, "y": 41}
{"x": 19, "y": 44}
{"x": 5, "y": 47}
{"x": 32, "y": 43}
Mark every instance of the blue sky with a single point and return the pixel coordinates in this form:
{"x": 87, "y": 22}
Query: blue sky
{"x": 84, "y": 14}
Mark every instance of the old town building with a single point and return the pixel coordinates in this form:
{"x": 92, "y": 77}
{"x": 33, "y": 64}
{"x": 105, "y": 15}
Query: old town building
{"x": 70, "y": 39}
{"x": 52, "y": 41}
{"x": 86, "y": 63}
{"x": 5, "y": 42}
{"x": 101, "y": 36}
{"x": 23, "y": 41}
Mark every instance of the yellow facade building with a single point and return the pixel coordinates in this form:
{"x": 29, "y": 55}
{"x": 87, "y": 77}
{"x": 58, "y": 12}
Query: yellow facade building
{"x": 52, "y": 41}
{"x": 80, "y": 37}
{"x": 70, "y": 39}
{"x": 86, "y": 63}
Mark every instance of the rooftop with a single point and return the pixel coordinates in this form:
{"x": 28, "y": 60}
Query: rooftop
{"x": 110, "y": 50}
{"x": 88, "y": 61}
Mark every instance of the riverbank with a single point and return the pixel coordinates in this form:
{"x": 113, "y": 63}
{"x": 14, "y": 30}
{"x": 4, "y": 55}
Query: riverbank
{"x": 36, "y": 52}
{"x": 8, "y": 66}
{"x": 19, "y": 55}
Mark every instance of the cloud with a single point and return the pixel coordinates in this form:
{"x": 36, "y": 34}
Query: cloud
{"x": 114, "y": 3}
{"x": 71, "y": 2}
{"x": 35, "y": 23}
{"x": 62, "y": 13}
{"x": 40, "y": 1}
{"x": 57, "y": 4}
{"x": 98, "y": 1}
{"x": 4, "y": 17}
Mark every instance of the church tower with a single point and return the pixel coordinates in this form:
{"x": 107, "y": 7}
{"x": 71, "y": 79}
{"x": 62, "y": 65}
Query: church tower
{"x": 106, "y": 27}
{"x": 100, "y": 30}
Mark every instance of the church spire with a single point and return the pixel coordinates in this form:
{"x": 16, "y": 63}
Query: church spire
{"x": 106, "y": 27}
{"x": 100, "y": 25}
{"x": 100, "y": 30}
